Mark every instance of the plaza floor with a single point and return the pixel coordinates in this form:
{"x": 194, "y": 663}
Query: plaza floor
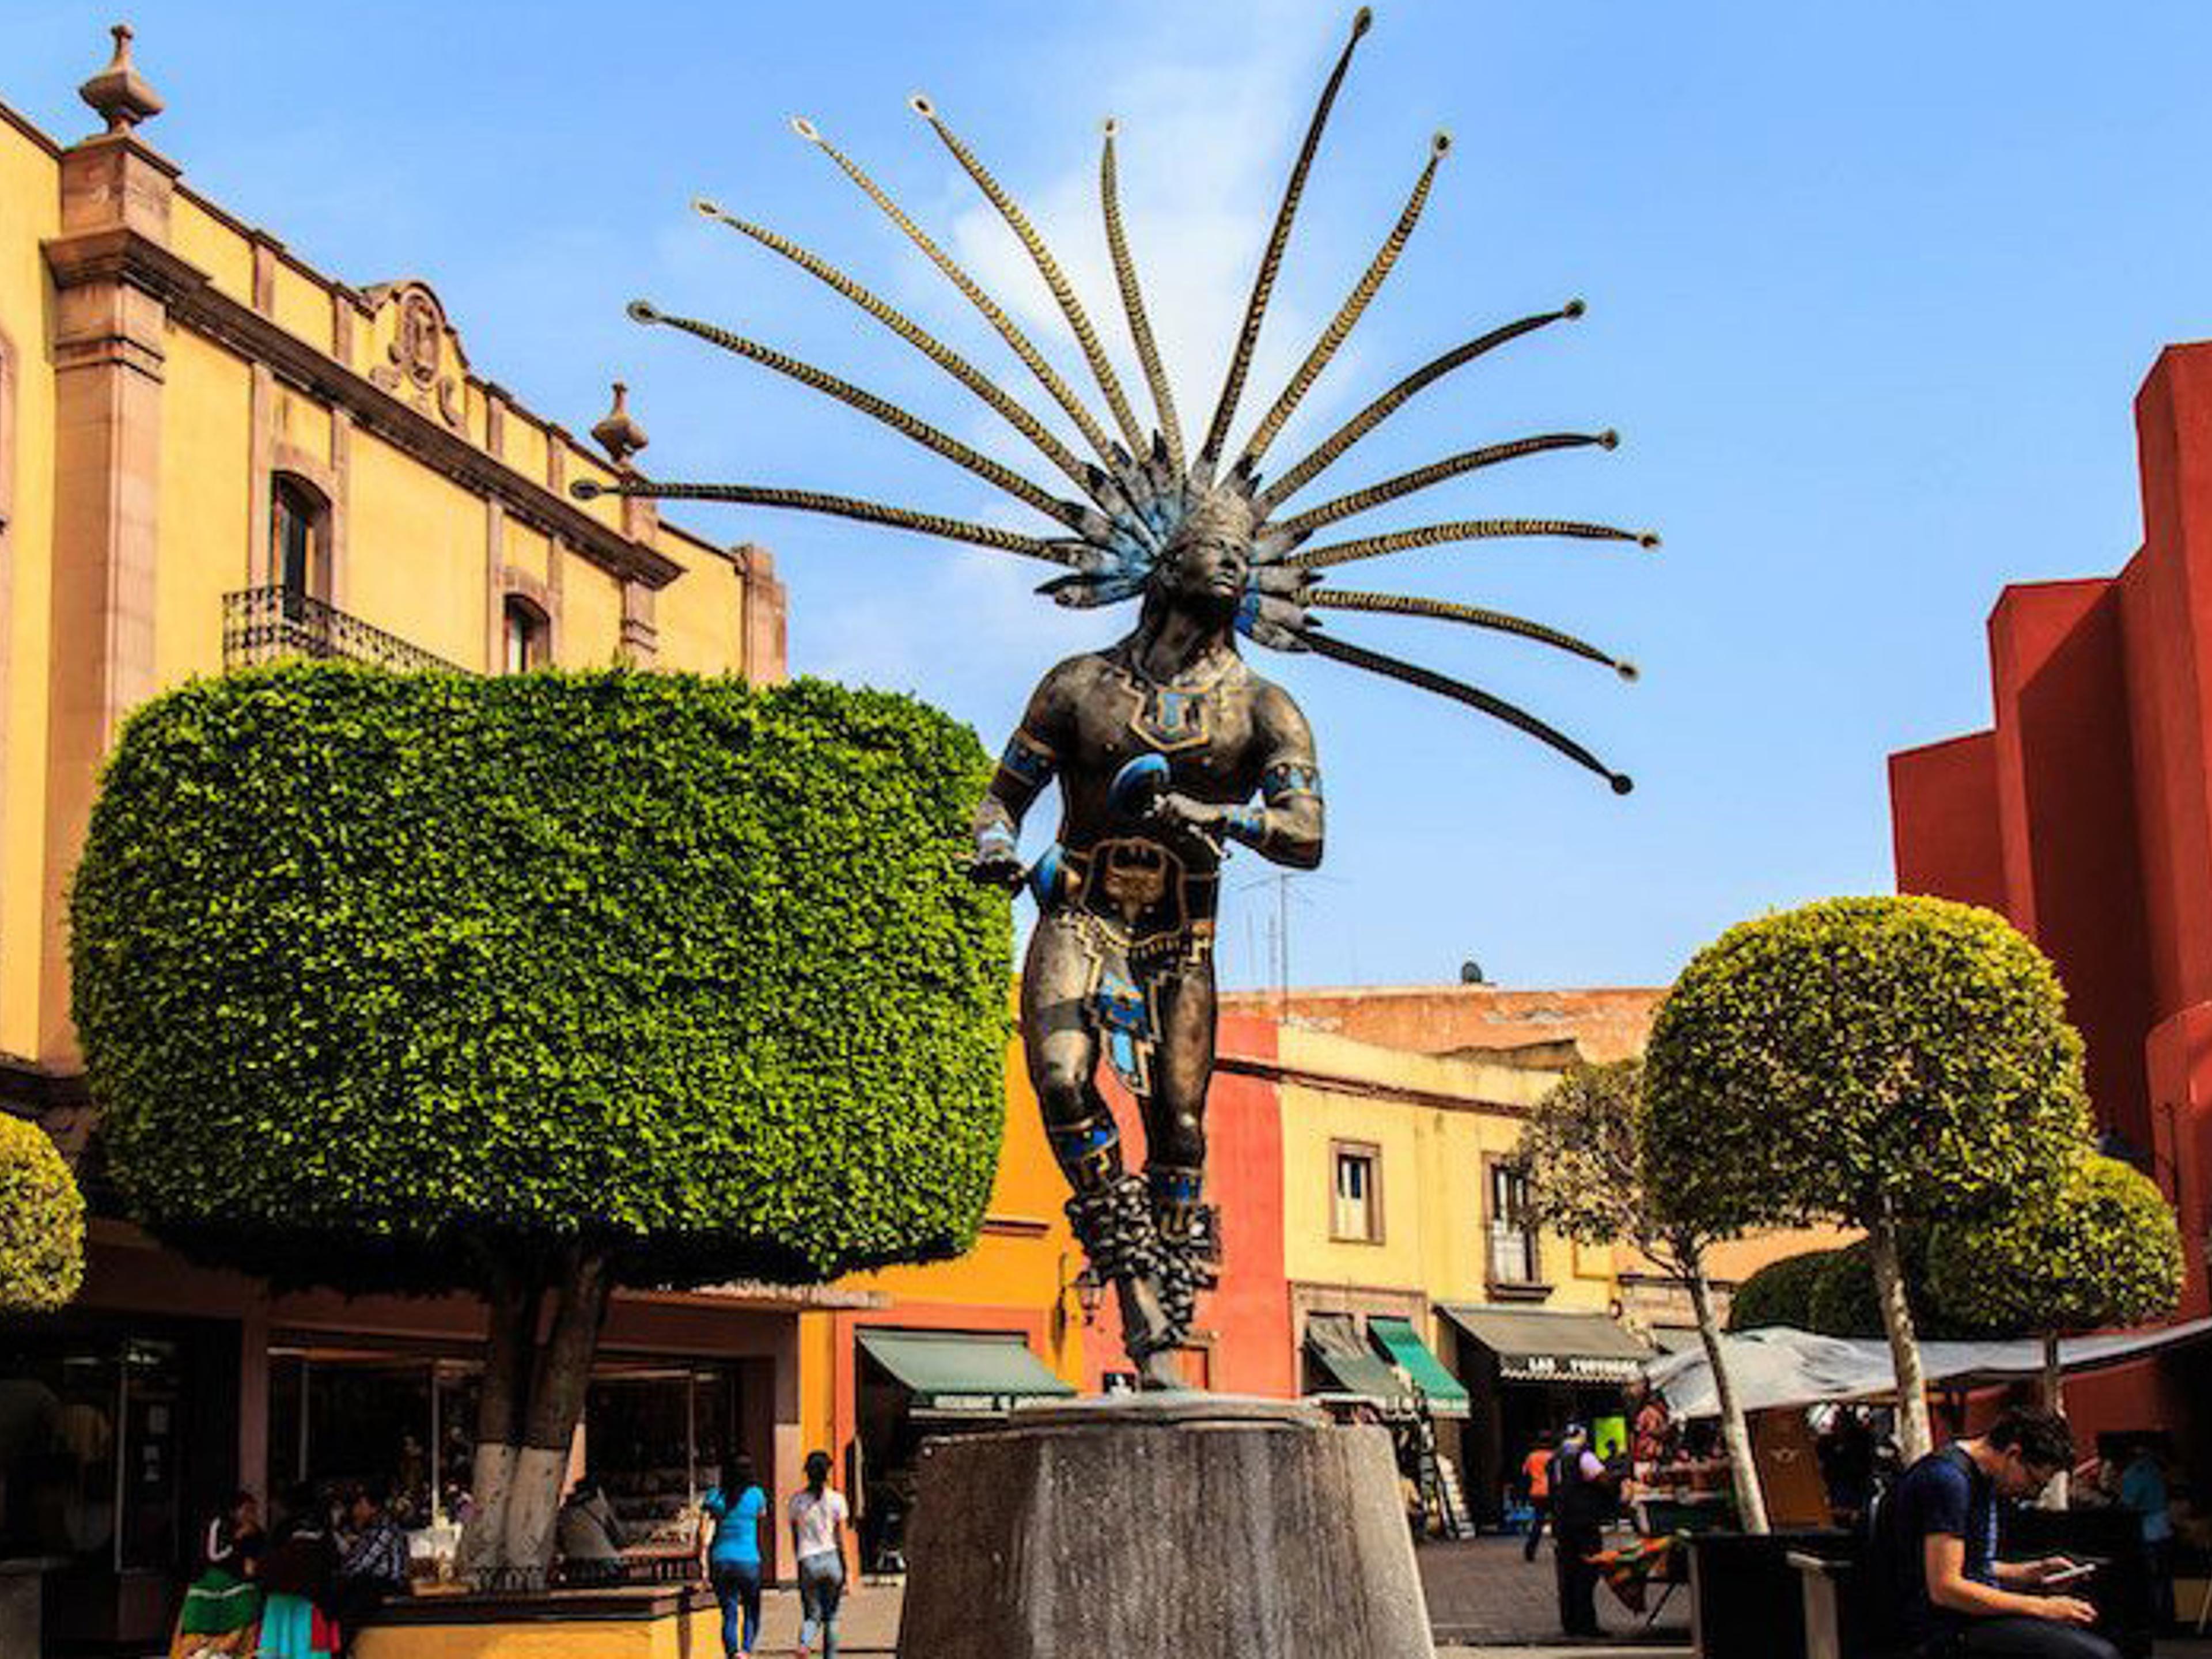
{"x": 1484, "y": 1602}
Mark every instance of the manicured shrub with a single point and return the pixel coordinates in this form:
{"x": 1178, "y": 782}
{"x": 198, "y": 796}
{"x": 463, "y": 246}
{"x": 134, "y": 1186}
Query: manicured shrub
{"x": 1879, "y": 1063}
{"x": 41, "y": 1222}
{"x": 1779, "y": 1293}
{"x": 374, "y": 971}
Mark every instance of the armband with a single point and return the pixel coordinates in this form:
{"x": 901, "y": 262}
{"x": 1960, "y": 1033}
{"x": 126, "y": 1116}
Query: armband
{"x": 1247, "y": 824}
{"x": 1027, "y": 761}
{"x": 1287, "y": 778}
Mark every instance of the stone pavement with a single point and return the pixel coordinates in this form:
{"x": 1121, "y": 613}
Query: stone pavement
{"x": 1484, "y": 1600}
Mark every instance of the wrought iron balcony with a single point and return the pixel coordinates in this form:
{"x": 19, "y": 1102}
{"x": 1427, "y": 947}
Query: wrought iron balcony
{"x": 265, "y": 625}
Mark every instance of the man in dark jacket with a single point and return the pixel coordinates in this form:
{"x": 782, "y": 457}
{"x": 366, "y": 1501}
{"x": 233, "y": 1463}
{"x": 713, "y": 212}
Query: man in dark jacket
{"x": 1581, "y": 1500}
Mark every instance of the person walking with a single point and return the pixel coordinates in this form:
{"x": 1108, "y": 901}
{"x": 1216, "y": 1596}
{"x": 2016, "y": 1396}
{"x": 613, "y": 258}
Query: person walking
{"x": 1536, "y": 1483}
{"x": 1579, "y": 1505}
{"x": 818, "y": 1523}
{"x": 733, "y": 1560}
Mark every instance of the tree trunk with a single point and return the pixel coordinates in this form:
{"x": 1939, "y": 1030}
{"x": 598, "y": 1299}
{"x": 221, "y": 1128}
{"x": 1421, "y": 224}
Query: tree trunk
{"x": 2054, "y": 1400}
{"x": 514, "y": 1293}
{"x": 1736, "y": 1429}
{"x": 1914, "y": 1439}
{"x": 557, "y": 1401}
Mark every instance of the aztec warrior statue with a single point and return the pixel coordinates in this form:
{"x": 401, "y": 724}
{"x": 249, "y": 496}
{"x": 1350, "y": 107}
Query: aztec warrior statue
{"x": 1161, "y": 743}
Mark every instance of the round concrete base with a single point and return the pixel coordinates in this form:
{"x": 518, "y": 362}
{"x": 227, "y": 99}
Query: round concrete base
{"x": 1150, "y": 1526}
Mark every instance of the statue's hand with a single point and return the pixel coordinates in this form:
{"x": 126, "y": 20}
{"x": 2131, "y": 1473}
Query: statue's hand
{"x": 1179, "y": 817}
{"x": 996, "y": 864}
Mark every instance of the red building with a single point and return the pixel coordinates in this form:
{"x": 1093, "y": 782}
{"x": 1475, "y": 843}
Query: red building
{"x": 2084, "y": 816}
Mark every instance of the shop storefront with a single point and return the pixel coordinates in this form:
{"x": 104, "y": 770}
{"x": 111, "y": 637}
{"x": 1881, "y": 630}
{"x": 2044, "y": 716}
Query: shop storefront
{"x": 655, "y": 1434}
{"x": 113, "y": 1436}
{"x": 1528, "y": 1372}
{"x": 916, "y": 1384}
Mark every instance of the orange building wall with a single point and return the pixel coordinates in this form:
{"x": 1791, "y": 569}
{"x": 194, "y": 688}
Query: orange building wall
{"x": 1605, "y": 1025}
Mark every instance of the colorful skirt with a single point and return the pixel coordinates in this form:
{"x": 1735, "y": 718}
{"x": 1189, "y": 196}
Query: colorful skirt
{"x": 293, "y": 1627}
{"x": 221, "y": 1618}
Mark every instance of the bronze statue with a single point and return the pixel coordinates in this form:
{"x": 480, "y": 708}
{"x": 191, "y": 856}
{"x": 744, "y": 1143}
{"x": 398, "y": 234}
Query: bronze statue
{"x": 1166, "y": 747}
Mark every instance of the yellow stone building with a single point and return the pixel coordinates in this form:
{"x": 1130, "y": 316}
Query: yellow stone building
{"x": 210, "y": 451}
{"x": 1405, "y": 1240}
{"x": 212, "y": 454}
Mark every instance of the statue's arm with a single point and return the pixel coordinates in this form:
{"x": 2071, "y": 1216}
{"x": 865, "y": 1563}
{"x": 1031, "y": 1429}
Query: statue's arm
{"x": 1285, "y": 825}
{"x": 1027, "y": 763}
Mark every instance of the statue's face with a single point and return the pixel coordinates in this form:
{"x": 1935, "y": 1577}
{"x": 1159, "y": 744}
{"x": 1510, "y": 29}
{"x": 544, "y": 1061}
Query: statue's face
{"x": 1210, "y": 567}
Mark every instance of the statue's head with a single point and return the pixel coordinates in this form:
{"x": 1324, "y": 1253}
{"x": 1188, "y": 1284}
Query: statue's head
{"x": 1204, "y": 564}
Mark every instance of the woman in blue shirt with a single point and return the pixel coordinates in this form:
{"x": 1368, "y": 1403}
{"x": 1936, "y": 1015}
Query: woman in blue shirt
{"x": 734, "y": 1558}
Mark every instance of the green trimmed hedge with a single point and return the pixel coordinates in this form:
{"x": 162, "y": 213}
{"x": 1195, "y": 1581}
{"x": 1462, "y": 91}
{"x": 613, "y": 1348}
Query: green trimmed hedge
{"x": 1779, "y": 1293}
{"x": 1858, "y": 1060}
{"x": 376, "y": 972}
{"x": 2107, "y": 1252}
{"x": 41, "y": 1222}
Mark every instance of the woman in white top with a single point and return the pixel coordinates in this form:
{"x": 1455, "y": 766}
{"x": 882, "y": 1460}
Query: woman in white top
{"x": 818, "y": 1520}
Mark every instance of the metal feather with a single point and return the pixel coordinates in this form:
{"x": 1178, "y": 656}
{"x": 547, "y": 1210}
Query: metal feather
{"x": 942, "y": 443}
{"x": 1474, "y": 615}
{"x": 1443, "y": 685}
{"x": 912, "y": 333}
{"x": 1347, "y": 314}
{"x": 1047, "y": 267}
{"x": 1332, "y": 446}
{"x": 843, "y": 507}
{"x": 1263, "y": 283}
{"x": 1093, "y": 433}
{"x": 1463, "y": 530}
{"x": 1406, "y": 484}
{"x": 1133, "y": 304}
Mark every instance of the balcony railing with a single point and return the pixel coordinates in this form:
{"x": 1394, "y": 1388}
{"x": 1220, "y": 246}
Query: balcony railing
{"x": 265, "y": 625}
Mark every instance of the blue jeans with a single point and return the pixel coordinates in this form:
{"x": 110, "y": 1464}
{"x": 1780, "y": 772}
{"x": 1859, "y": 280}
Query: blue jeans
{"x": 738, "y": 1587}
{"x": 821, "y": 1583}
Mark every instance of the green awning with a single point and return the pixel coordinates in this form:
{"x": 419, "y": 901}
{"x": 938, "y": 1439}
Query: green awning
{"x": 1334, "y": 1342}
{"x": 1402, "y": 1346}
{"x": 959, "y": 1371}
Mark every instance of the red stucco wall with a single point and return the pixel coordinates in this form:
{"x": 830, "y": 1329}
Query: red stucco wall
{"x": 1245, "y": 1322}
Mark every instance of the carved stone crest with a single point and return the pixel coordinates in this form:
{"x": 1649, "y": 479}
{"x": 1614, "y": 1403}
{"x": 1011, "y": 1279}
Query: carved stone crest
{"x": 422, "y": 352}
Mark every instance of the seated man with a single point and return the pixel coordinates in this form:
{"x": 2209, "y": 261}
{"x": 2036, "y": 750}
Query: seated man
{"x": 1955, "y": 1597}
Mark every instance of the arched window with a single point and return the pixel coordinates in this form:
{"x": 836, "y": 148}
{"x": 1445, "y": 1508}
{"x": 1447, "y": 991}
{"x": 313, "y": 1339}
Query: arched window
{"x": 524, "y": 636}
{"x": 299, "y": 541}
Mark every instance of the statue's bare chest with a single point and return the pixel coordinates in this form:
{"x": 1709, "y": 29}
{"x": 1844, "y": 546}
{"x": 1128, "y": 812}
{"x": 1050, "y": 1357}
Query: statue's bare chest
{"x": 1204, "y": 729}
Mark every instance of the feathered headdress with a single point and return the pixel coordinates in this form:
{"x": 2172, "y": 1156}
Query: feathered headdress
{"x": 1139, "y": 494}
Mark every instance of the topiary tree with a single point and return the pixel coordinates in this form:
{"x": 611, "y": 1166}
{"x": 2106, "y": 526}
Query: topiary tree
{"x": 2106, "y": 1251}
{"x": 41, "y": 1222}
{"x": 535, "y": 986}
{"x": 1583, "y": 1149}
{"x": 1882, "y": 1063}
{"x": 1779, "y": 1293}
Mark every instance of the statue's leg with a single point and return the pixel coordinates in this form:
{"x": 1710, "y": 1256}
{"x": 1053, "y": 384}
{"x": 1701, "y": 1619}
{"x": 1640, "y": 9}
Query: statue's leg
{"x": 1174, "y": 1134}
{"x": 1108, "y": 1210}
{"x": 1060, "y": 1040}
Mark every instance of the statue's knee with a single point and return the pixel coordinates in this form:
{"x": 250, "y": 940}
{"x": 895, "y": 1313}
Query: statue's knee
{"x": 1060, "y": 1094}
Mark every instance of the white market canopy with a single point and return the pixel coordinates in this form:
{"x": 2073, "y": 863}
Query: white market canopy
{"x": 1779, "y": 1366}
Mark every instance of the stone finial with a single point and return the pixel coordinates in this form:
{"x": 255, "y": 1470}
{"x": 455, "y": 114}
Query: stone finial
{"x": 616, "y": 432}
{"x": 119, "y": 95}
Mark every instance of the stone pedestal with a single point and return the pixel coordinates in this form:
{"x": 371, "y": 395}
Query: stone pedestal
{"x": 1169, "y": 1526}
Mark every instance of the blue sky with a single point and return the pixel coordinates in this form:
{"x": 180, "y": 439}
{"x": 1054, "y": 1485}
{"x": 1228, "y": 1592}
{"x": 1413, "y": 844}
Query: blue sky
{"x": 1871, "y": 288}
